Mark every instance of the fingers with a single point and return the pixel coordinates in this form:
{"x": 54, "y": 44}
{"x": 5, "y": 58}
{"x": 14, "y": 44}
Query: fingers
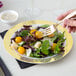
{"x": 70, "y": 24}
{"x": 62, "y": 16}
{"x": 65, "y": 23}
{"x": 69, "y": 29}
{"x": 73, "y": 30}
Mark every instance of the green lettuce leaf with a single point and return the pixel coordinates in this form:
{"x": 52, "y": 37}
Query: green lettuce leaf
{"x": 24, "y": 33}
{"x": 45, "y": 26}
{"x": 45, "y": 46}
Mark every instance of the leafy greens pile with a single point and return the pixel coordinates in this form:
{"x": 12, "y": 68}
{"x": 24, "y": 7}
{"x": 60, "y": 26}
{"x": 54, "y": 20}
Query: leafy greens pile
{"x": 45, "y": 49}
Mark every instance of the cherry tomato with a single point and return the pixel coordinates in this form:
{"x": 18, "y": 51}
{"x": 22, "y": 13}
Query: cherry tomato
{"x": 18, "y": 39}
{"x": 39, "y": 34}
{"x": 21, "y": 50}
{"x": 32, "y": 31}
{"x": 53, "y": 46}
{"x": 52, "y": 35}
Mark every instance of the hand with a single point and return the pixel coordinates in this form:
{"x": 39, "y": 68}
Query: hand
{"x": 69, "y": 23}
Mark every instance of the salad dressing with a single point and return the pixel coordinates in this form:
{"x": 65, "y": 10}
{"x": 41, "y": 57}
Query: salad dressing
{"x": 9, "y": 16}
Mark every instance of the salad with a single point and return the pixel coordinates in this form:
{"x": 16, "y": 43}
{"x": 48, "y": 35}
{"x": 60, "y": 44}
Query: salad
{"x": 29, "y": 41}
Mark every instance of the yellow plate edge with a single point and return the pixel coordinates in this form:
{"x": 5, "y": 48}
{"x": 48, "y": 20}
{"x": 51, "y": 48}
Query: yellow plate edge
{"x": 17, "y": 56}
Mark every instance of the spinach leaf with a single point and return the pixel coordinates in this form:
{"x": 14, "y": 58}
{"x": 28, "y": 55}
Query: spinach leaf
{"x": 45, "y": 46}
{"x": 32, "y": 44}
{"x": 54, "y": 38}
{"x": 61, "y": 41}
{"x": 51, "y": 54}
{"x": 61, "y": 35}
{"x": 36, "y": 53}
{"x": 31, "y": 55}
{"x": 57, "y": 49}
{"x": 45, "y": 26}
{"x": 24, "y": 33}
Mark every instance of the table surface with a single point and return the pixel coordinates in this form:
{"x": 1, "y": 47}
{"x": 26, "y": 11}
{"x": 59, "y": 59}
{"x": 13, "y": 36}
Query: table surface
{"x": 49, "y": 11}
